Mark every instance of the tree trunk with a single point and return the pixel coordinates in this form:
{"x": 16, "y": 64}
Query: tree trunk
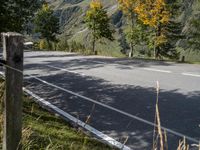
{"x": 157, "y": 53}
{"x": 55, "y": 46}
{"x": 131, "y": 51}
{"x": 132, "y": 30}
{"x": 49, "y": 44}
{"x": 154, "y": 49}
{"x": 93, "y": 45}
{"x": 158, "y": 33}
{"x": 94, "y": 39}
{"x": 157, "y": 47}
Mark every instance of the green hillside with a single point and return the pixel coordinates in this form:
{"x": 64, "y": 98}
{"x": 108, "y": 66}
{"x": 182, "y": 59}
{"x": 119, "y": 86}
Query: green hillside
{"x": 71, "y": 15}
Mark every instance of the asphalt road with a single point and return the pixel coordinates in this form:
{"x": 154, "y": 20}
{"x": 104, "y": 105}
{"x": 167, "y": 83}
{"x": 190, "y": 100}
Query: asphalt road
{"x": 128, "y": 85}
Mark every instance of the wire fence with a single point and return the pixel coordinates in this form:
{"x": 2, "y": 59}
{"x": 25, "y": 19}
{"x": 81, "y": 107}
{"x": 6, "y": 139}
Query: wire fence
{"x": 84, "y": 98}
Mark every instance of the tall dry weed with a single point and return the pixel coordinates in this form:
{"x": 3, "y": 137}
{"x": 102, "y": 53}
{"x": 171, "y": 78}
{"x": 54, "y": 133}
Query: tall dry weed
{"x": 183, "y": 145}
{"x": 159, "y": 136}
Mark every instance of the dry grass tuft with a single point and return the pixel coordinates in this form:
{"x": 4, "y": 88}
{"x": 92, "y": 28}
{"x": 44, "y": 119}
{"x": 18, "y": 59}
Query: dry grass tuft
{"x": 89, "y": 117}
{"x": 196, "y": 145}
{"x": 125, "y": 141}
{"x": 183, "y": 145}
{"x": 26, "y": 134}
{"x": 159, "y": 136}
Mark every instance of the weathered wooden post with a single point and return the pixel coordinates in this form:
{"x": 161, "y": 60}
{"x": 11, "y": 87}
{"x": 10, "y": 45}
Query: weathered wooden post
{"x": 13, "y": 55}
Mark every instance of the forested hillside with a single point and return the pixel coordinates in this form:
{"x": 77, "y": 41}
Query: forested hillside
{"x": 182, "y": 28}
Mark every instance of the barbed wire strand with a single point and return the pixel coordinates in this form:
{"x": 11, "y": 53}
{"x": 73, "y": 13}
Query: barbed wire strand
{"x": 106, "y": 106}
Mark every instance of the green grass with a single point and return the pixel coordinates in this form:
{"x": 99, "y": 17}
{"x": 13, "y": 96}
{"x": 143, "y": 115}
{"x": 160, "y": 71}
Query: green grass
{"x": 191, "y": 56}
{"x": 43, "y": 130}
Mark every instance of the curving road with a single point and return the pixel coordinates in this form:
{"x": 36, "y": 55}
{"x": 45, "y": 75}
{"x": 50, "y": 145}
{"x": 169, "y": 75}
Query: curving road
{"x": 125, "y": 84}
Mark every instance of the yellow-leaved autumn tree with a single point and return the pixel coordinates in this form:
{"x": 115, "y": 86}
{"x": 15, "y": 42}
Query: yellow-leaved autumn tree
{"x": 128, "y": 8}
{"x": 96, "y": 4}
{"x": 155, "y": 14}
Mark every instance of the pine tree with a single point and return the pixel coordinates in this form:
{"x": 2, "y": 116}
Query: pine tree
{"x": 194, "y": 32}
{"x": 173, "y": 30}
{"x": 47, "y": 24}
{"x": 98, "y": 23}
{"x": 173, "y": 33}
{"x": 14, "y": 14}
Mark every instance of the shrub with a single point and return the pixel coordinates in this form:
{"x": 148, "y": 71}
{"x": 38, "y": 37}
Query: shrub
{"x": 43, "y": 44}
{"x": 63, "y": 45}
{"x": 77, "y": 47}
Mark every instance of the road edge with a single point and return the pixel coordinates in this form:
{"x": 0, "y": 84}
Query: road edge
{"x": 101, "y": 136}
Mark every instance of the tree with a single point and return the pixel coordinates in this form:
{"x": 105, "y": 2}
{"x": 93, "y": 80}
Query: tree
{"x": 136, "y": 35}
{"x": 98, "y": 22}
{"x": 173, "y": 31}
{"x": 14, "y": 14}
{"x": 194, "y": 32}
{"x": 123, "y": 42}
{"x": 47, "y": 24}
{"x": 155, "y": 14}
{"x": 128, "y": 7}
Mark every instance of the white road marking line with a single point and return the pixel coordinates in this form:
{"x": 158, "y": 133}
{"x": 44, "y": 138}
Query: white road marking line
{"x": 114, "y": 109}
{"x": 62, "y": 69}
{"x": 38, "y": 76}
{"x": 157, "y": 70}
{"x": 99, "y": 134}
{"x": 191, "y": 74}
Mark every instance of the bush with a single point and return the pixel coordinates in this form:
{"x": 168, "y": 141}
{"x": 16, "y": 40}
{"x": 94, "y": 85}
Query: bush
{"x": 191, "y": 55}
{"x": 63, "y": 45}
{"x": 43, "y": 44}
{"x": 77, "y": 47}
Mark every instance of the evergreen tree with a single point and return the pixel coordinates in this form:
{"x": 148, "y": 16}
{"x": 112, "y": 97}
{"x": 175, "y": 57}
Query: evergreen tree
{"x": 47, "y": 24}
{"x": 194, "y": 32}
{"x": 14, "y": 14}
{"x": 98, "y": 22}
{"x": 173, "y": 31}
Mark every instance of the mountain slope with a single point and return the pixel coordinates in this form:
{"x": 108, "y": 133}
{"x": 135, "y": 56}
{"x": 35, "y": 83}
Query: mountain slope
{"x": 72, "y": 12}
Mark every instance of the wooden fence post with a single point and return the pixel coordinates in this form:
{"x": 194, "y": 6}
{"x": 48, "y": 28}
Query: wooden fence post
{"x": 13, "y": 55}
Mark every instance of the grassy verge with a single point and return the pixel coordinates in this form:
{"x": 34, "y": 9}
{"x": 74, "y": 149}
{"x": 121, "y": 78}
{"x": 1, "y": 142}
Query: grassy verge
{"x": 163, "y": 60}
{"x": 43, "y": 130}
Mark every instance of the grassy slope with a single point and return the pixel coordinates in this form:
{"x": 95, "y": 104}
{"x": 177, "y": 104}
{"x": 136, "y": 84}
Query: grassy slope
{"x": 112, "y": 48}
{"x": 78, "y": 30}
{"x": 43, "y": 130}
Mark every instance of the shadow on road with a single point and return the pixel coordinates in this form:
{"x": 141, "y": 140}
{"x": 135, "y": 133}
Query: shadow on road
{"x": 90, "y": 62}
{"x": 51, "y": 55}
{"x": 178, "y": 112}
